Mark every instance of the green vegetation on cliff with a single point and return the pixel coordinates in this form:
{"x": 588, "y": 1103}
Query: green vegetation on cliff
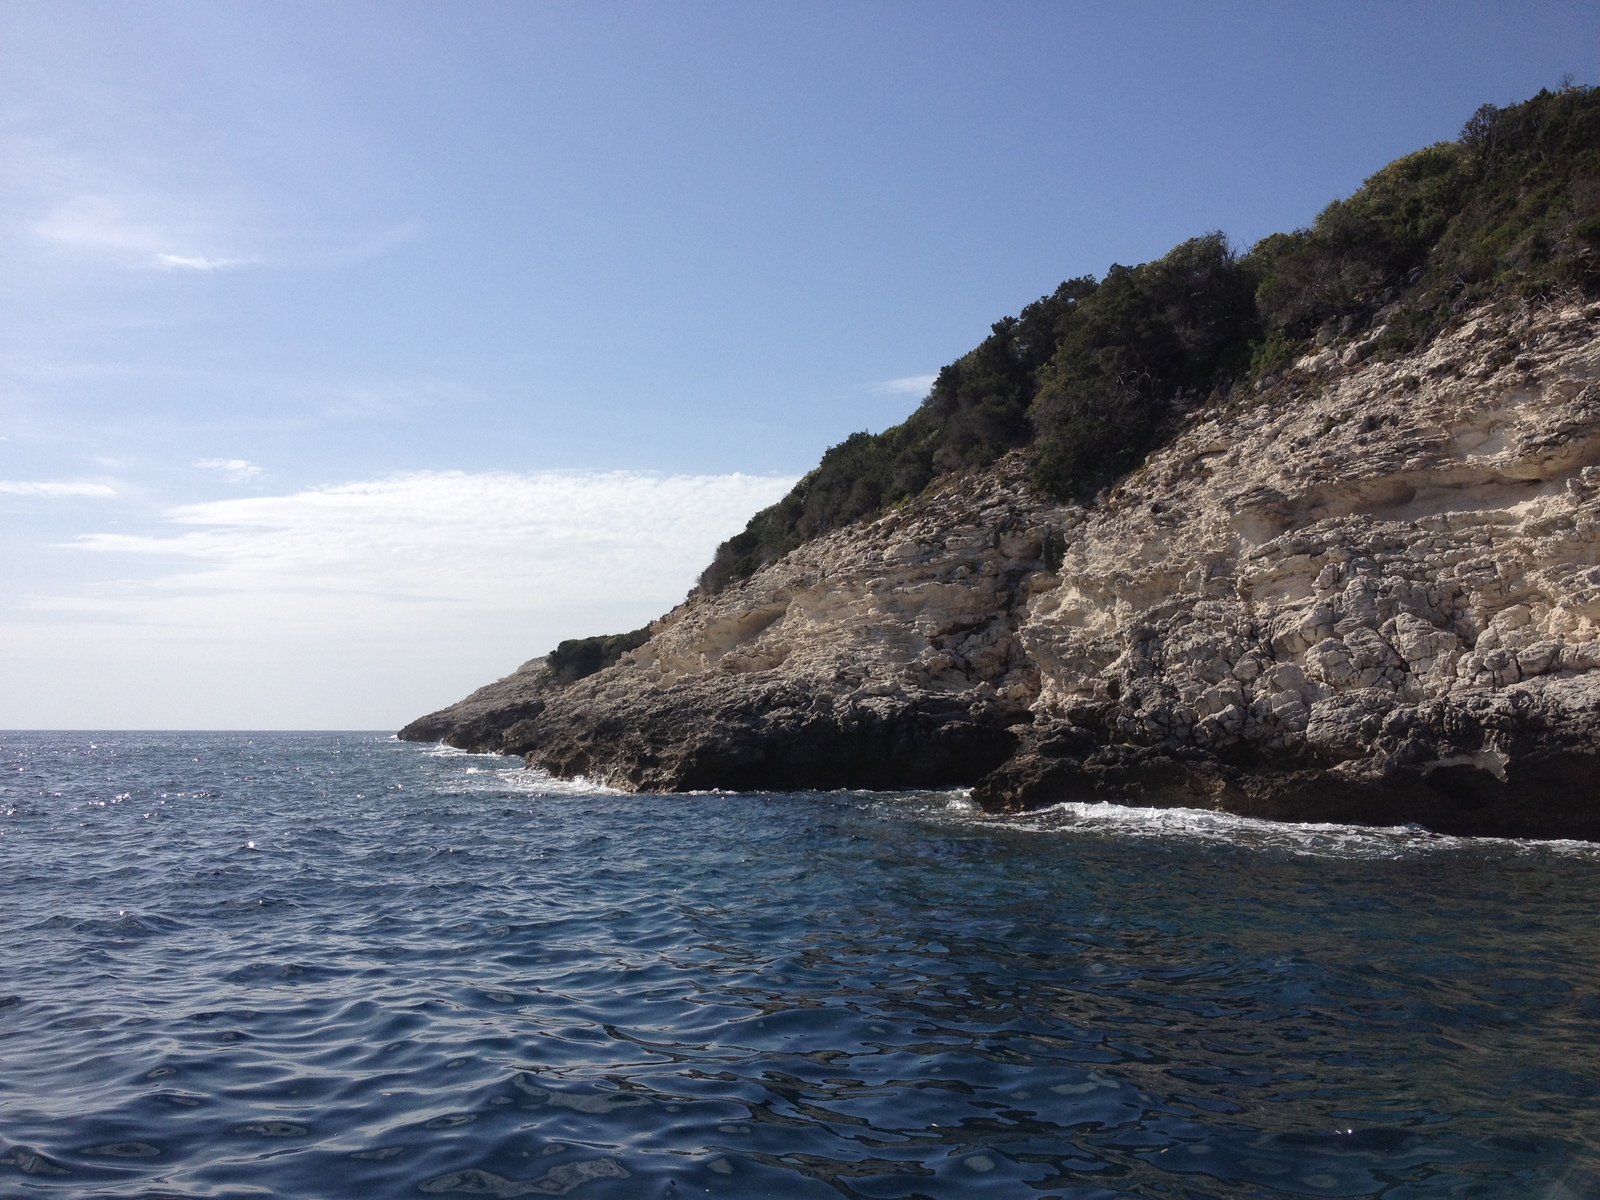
{"x": 578, "y": 658}
{"x": 1090, "y": 378}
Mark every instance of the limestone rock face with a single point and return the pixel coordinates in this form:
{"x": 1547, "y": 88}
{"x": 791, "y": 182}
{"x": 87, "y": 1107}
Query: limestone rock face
{"x": 479, "y": 722}
{"x": 1370, "y": 592}
{"x": 884, "y": 655}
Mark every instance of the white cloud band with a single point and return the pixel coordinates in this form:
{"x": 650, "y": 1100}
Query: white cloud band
{"x": 488, "y": 540}
{"x": 359, "y": 605}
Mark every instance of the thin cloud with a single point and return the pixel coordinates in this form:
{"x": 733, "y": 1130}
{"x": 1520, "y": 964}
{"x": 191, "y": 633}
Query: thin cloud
{"x": 116, "y": 209}
{"x": 193, "y": 262}
{"x": 235, "y": 470}
{"x": 906, "y": 385}
{"x": 552, "y": 541}
{"x": 11, "y": 487}
{"x": 361, "y": 605}
{"x": 138, "y": 227}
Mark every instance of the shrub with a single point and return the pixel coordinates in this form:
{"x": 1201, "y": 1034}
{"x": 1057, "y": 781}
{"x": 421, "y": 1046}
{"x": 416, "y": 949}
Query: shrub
{"x": 1148, "y": 336}
{"x": 1090, "y": 377}
{"x": 577, "y": 658}
{"x": 1273, "y": 354}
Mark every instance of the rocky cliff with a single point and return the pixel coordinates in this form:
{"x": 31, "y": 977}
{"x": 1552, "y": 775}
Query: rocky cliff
{"x": 1367, "y": 591}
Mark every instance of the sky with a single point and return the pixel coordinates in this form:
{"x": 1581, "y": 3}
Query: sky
{"x": 353, "y": 353}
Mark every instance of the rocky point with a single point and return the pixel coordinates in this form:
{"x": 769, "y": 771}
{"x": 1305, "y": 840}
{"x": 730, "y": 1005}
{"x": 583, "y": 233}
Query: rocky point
{"x": 1368, "y": 591}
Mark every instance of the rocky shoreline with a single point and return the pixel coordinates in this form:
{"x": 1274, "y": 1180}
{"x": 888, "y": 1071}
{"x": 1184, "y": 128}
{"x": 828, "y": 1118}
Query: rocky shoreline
{"x": 1369, "y": 592}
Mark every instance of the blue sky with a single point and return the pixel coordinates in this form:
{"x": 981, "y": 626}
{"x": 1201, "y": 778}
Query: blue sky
{"x": 351, "y": 353}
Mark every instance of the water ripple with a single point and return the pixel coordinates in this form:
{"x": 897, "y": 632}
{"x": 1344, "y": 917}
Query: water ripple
{"x": 338, "y": 965}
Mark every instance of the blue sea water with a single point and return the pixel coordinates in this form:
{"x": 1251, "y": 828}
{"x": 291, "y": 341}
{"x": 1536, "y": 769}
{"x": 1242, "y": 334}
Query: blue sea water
{"x": 337, "y": 965}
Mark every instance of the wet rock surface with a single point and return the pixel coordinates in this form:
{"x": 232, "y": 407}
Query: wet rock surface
{"x": 1369, "y": 593}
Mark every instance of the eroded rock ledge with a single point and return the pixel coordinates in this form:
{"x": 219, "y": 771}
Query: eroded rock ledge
{"x": 1369, "y": 594}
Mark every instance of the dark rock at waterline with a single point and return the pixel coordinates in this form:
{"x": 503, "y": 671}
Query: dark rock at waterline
{"x": 1521, "y": 762}
{"x": 768, "y": 735}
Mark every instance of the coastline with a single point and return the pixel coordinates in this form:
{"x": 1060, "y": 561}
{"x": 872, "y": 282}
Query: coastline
{"x": 1366, "y": 595}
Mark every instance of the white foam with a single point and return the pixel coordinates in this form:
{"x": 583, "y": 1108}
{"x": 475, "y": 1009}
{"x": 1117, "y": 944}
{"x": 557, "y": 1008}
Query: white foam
{"x": 541, "y": 782}
{"x": 440, "y": 750}
{"x": 491, "y": 773}
{"x": 1308, "y": 838}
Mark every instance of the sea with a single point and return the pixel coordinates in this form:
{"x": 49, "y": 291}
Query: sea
{"x": 339, "y": 965}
